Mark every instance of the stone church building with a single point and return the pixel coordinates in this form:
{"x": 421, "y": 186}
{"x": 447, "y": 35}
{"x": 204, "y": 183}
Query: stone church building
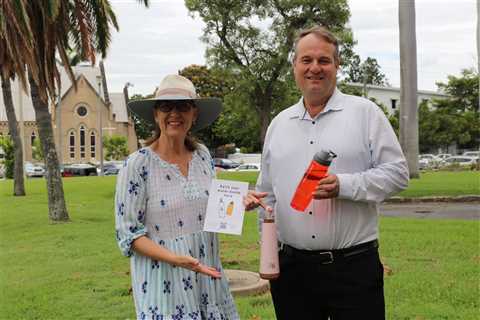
{"x": 79, "y": 119}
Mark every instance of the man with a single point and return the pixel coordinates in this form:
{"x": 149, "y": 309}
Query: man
{"x": 329, "y": 261}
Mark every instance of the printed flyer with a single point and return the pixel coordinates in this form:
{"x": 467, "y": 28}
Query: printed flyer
{"x": 225, "y": 209}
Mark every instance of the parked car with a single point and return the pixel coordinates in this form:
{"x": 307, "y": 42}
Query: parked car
{"x": 225, "y": 163}
{"x": 443, "y": 156}
{"x": 247, "y": 167}
{"x": 428, "y": 161}
{"x": 81, "y": 169}
{"x": 33, "y": 170}
{"x": 471, "y": 154}
{"x": 112, "y": 168}
{"x": 460, "y": 160}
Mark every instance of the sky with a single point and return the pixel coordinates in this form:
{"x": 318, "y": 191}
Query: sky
{"x": 164, "y": 38}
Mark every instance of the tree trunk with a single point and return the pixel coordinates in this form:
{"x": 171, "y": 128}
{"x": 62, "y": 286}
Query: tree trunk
{"x": 478, "y": 40}
{"x": 408, "y": 87}
{"x": 57, "y": 210}
{"x": 264, "y": 122}
{"x": 18, "y": 182}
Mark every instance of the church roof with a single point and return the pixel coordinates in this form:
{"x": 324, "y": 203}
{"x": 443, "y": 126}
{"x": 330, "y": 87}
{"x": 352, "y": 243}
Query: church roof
{"x": 89, "y": 72}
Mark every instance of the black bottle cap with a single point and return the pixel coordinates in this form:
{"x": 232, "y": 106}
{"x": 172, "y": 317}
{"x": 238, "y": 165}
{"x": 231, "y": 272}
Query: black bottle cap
{"x": 324, "y": 157}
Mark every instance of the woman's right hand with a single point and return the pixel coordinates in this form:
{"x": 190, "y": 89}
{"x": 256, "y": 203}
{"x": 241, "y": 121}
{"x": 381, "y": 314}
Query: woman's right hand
{"x": 193, "y": 264}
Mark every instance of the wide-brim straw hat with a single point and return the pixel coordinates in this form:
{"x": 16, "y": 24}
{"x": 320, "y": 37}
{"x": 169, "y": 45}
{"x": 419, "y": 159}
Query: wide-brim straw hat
{"x": 175, "y": 87}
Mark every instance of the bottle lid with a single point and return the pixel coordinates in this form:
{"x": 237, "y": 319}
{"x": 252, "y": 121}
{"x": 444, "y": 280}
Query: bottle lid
{"x": 324, "y": 157}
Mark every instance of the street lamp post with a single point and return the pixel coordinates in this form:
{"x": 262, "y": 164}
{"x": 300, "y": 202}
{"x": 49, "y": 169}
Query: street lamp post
{"x": 100, "y": 124}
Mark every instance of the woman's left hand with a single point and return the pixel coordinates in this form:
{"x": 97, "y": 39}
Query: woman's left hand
{"x": 194, "y": 264}
{"x": 253, "y": 199}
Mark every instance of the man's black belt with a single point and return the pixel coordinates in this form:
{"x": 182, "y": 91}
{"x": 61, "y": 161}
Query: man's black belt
{"x": 329, "y": 256}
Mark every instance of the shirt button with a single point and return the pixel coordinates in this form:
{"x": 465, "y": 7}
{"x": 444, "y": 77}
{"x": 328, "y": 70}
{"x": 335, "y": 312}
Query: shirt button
{"x": 310, "y": 212}
{"x": 313, "y": 237}
{"x": 311, "y": 142}
{"x": 313, "y": 122}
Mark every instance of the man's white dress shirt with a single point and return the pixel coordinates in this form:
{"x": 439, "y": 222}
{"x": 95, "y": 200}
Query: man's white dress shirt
{"x": 370, "y": 167}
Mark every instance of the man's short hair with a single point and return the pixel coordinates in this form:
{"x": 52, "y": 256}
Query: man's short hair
{"x": 320, "y": 32}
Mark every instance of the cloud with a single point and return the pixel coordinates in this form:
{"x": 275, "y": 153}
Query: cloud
{"x": 164, "y": 38}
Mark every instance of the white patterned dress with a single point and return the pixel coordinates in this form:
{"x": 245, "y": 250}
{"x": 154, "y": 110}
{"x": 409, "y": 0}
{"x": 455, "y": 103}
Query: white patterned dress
{"x": 154, "y": 199}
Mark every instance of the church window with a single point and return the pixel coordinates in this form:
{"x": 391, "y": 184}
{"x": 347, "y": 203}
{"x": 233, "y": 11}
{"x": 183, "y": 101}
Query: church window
{"x": 82, "y": 142}
{"x": 32, "y": 138}
{"x": 72, "y": 145}
{"x": 92, "y": 144}
{"x": 82, "y": 111}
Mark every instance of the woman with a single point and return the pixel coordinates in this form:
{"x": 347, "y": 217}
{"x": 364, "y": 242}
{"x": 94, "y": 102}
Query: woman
{"x": 161, "y": 200}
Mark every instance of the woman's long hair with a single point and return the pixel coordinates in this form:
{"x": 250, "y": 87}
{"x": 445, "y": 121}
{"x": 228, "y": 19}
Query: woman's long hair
{"x": 191, "y": 142}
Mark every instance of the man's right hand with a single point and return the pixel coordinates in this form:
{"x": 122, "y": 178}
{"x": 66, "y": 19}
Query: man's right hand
{"x": 254, "y": 199}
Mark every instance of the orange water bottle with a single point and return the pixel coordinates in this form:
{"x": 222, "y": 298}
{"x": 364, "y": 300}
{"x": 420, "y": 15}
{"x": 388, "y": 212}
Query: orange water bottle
{"x": 316, "y": 170}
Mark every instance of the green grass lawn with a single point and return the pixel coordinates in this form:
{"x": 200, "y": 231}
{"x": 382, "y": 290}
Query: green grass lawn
{"x": 75, "y": 271}
{"x": 439, "y": 183}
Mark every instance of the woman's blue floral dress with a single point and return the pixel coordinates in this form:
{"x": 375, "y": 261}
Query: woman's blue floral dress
{"x": 154, "y": 199}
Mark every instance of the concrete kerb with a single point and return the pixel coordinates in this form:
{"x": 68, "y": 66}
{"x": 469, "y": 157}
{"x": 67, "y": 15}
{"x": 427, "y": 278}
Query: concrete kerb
{"x": 466, "y": 198}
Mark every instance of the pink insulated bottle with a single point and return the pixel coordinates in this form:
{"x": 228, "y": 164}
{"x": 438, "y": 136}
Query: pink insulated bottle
{"x": 269, "y": 265}
{"x": 316, "y": 170}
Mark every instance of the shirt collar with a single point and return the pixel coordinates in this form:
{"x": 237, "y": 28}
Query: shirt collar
{"x": 335, "y": 103}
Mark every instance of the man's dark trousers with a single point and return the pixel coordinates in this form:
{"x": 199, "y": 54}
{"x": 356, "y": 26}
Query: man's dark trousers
{"x": 311, "y": 286}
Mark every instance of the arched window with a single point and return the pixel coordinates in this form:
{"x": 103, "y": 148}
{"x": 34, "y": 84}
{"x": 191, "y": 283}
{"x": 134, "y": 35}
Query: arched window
{"x": 92, "y": 144}
{"x": 32, "y": 138}
{"x": 71, "y": 145}
{"x": 82, "y": 142}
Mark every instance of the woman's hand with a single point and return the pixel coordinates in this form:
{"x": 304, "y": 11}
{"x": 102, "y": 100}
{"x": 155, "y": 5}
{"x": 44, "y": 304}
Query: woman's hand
{"x": 193, "y": 264}
{"x": 254, "y": 199}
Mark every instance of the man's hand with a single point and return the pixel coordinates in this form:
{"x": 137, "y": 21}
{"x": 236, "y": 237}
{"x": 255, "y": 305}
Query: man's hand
{"x": 254, "y": 199}
{"x": 327, "y": 188}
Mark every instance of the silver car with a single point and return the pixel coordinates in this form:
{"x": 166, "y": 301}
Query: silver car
{"x": 34, "y": 170}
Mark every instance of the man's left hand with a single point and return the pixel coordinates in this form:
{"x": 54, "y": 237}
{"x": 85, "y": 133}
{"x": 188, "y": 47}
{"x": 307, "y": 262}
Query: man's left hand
{"x": 327, "y": 188}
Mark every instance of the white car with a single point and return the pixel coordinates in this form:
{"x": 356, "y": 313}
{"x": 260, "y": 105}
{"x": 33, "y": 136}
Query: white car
{"x": 443, "y": 156}
{"x": 34, "y": 170}
{"x": 428, "y": 161}
{"x": 247, "y": 167}
{"x": 471, "y": 154}
{"x": 460, "y": 160}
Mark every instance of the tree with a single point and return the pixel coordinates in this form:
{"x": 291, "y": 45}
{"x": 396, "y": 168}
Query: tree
{"x": 18, "y": 176}
{"x": 8, "y": 148}
{"x": 7, "y": 73}
{"x": 367, "y": 72}
{"x": 143, "y": 129}
{"x": 463, "y": 90}
{"x": 455, "y": 119}
{"x": 408, "y": 87}
{"x": 116, "y": 147}
{"x": 478, "y": 40}
{"x": 259, "y": 56}
{"x": 213, "y": 83}
{"x": 34, "y": 32}
{"x": 37, "y": 152}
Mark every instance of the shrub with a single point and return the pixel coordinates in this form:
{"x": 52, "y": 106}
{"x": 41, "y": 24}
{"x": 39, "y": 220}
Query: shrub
{"x": 6, "y": 144}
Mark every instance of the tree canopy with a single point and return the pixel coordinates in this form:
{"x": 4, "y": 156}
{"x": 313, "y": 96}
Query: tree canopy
{"x": 453, "y": 120}
{"x": 254, "y": 39}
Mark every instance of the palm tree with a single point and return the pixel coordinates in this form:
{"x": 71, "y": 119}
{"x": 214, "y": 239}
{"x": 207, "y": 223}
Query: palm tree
{"x": 408, "y": 87}
{"x": 478, "y": 39}
{"x": 47, "y": 28}
{"x": 8, "y": 66}
{"x": 18, "y": 181}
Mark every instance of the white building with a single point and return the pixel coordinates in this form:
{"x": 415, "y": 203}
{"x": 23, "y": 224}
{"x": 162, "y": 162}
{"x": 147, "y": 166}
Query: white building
{"x": 390, "y": 96}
